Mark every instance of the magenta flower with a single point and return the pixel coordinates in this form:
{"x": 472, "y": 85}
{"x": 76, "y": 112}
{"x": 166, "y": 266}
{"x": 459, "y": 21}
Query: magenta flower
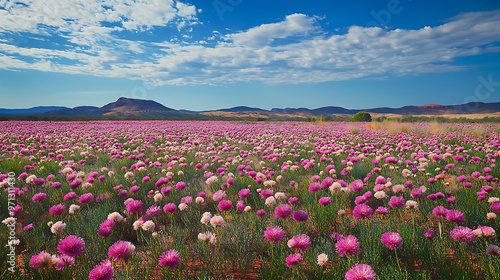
{"x": 69, "y": 196}
{"x": 300, "y": 216}
{"x": 495, "y": 207}
{"x": 180, "y": 185}
{"x": 121, "y": 250}
{"x": 455, "y": 216}
{"x": 357, "y": 185}
{"x": 397, "y": 202}
{"x": 360, "y": 272}
{"x": 283, "y": 211}
{"x": 244, "y": 193}
{"x": 266, "y": 193}
{"x": 104, "y": 231}
{"x": 293, "y": 200}
{"x": 170, "y": 207}
{"x": 240, "y": 206}
{"x": 327, "y": 182}
{"x": 314, "y": 187}
{"x": 56, "y": 210}
{"x": 463, "y": 234}
{"x": 153, "y": 210}
{"x": 293, "y": 259}
{"x": 325, "y": 200}
{"x": 134, "y": 206}
{"x": 64, "y": 262}
{"x": 439, "y": 211}
{"x": 225, "y": 205}
{"x": 362, "y": 211}
{"x": 42, "y": 261}
{"x": 392, "y": 240}
{"x": 429, "y": 234}
{"x": 75, "y": 184}
{"x": 274, "y": 234}
{"x": 85, "y": 198}
{"x": 261, "y": 212}
{"x": 39, "y": 181}
{"x": 301, "y": 242}
{"x": 169, "y": 259}
{"x": 348, "y": 246}
{"x": 71, "y": 246}
{"x": 382, "y": 210}
{"x": 103, "y": 271}
{"x": 28, "y": 227}
{"x": 39, "y": 197}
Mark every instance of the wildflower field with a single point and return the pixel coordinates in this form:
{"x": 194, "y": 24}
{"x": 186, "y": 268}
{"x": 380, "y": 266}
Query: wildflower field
{"x": 242, "y": 200}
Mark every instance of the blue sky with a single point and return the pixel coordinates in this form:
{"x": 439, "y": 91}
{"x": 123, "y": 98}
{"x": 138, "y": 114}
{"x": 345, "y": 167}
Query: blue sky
{"x": 202, "y": 55}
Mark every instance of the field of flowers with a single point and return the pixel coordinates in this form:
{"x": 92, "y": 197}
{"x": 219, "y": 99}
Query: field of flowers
{"x": 241, "y": 200}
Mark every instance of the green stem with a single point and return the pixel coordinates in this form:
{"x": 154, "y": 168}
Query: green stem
{"x": 397, "y": 260}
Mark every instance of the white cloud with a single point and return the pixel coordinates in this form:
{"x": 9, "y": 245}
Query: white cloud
{"x": 294, "y": 50}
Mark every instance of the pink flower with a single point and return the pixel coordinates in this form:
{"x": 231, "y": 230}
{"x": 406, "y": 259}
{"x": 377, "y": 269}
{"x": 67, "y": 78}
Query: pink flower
{"x": 274, "y": 234}
{"x": 360, "y": 272}
{"x": 85, "y": 198}
{"x": 170, "y": 259}
{"x": 39, "y": 197}
{"x": 219, "y": 195}
{"x": 103, "y": 271}
{"x": 362, "y": 211}
{"x": 439, "y": 211}
{"x": 392, "y": 240}
{"x": 69, "y": 196}
{"x": 56, "y": 210}
{"x": 293, "y": 259}
{"x": 71, "y": 246}
{"x": 225, "y": 205}
{"x": 357, "y": 185}
{"x": 170, "y": 207}
{"x": 244, "y": 193}
{"x": 463, "y": 234}
{"x": 134, "y": 206}
{"x": 325, "y": 200}
{"x": 43, "y": 260}
{"x": 348, "y": 246}
{"x": 314, "y": 187}
{"x": 495, "y": 207}
{"x": 240, "y": 206}
{"x": 64, "y": 262}
{"x": 382, "y": 210}
{"x": 153, "y": 210}
{"x": 283, "y": 211}
{"x": 396, "y": 202}
{"x": 180, "y": 185}
{"x": 301, "y": 242}
{"x": 261, "y": 212}
{"x": 455, "y": 216}
{"x": 121, "y": 250}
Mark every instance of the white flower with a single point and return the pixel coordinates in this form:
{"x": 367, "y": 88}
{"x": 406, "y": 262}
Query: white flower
{"x": 73, "y": 208}
{"x": 137, "y": 224}
{"x": 9, "y": 220}
{"x": 158, "y": 197}
{"x": 57, "y": 227}
{"x": 183, "y": 206}
{"x": 270, "y": 201}
{"x": 322, "y": 259}
{"x": 148, "y": 226}
{"x": 115, "y": 216}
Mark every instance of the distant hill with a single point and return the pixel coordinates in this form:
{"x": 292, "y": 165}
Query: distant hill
{"x": 123, "y": 107}
{"x": 130, "y": 108}
{"x": 30, "y": 111}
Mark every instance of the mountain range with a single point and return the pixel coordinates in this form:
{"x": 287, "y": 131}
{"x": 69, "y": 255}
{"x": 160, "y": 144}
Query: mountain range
{"x": 128, "y": 107}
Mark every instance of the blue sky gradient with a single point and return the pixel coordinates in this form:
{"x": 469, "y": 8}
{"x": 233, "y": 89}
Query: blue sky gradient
{"x": 203, "y": 55}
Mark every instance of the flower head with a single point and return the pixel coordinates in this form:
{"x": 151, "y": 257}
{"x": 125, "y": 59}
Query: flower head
{"x": 392, "y": 240}
{"x": 283, "y": 211}
{"x": 463, "y": 234}
{"x": 71, "y": 246}
{"x": 360, "y": 272}
{"x": 293, "y": 259}
{"x": 169, "y": 259}
{"x": 121, "y": 250}
{"x": 348, "y": 246}
{"x": 103, "y": 271}
{"x": 274, "y": 234}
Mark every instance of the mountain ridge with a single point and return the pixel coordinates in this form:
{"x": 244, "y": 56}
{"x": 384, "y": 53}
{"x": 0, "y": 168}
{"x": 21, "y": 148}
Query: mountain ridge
{"x": 129, "y": 107}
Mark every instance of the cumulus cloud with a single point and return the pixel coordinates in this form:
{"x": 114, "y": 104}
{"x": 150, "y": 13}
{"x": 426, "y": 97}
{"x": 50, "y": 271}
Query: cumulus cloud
{"x": 293, "y": 50}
